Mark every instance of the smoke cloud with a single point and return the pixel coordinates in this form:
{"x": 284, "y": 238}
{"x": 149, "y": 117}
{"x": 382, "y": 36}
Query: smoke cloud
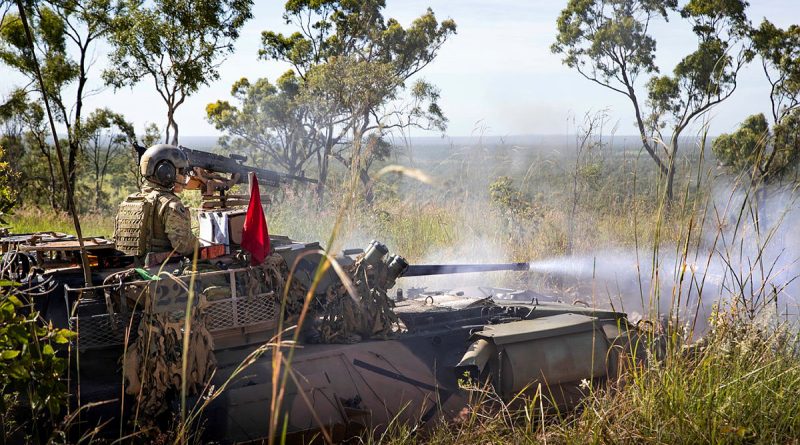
{"x": 744, "y": 252}
{"x": 747, "y": 254}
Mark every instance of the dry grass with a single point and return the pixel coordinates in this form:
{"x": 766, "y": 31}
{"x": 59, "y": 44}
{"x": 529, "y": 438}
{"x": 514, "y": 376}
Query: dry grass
{"x": 32, "y": 219}
{"x": 740, "y": 387}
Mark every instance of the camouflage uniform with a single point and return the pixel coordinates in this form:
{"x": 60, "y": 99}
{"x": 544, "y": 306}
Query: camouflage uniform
{"x": 153, "y": 220}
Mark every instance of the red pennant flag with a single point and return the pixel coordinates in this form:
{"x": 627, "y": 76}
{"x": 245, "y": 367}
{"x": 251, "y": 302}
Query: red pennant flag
{"x": 255, "y": 237}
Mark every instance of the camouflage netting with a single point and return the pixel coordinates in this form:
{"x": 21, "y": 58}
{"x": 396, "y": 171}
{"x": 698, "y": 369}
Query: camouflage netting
{"x": 271, "y": 275}
{"x": 370, "y": 314}
{"x": 339, "y": 318}
{"x": 152, "y": 364}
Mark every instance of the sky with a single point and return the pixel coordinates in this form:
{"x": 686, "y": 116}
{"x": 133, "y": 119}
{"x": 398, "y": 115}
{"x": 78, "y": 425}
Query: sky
{"x": 497, "y": 75}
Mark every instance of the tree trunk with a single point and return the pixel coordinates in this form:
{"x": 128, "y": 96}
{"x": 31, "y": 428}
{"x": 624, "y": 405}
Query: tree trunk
{"x": 72, "y": 161}
{"x": 51, "y": 172}
{"x": 324, "y": 164}
{"x": 761, "y": 203}
{"x": 174, "y": 132}
{"x": 640, "y": 125}
{"x": 74, "y": 137}
{"x": 97, "y": 188}
{"x": 671, "y": 168}
{"x": 97, "y": 185}
{"x": 171, "y": 137}
{"x": 363, "y": 175}
{"x": 53, "y": 200}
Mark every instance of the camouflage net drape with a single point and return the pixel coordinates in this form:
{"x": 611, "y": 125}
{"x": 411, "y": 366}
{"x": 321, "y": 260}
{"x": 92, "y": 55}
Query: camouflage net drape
{"x": 153, "y": 362}
{"x": 370, "y": 314}
{"x": 339, "y": 318}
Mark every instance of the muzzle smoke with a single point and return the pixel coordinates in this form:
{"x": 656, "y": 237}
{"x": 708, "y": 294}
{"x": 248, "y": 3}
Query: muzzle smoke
{"x": 747, "y": 255}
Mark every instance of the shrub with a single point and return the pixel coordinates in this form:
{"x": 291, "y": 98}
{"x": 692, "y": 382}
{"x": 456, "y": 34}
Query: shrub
{"x": 30, "y": 370}
{"x": 8, "y": 192}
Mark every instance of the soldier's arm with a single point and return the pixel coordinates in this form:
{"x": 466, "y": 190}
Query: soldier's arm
{"x": 178, "y": 227}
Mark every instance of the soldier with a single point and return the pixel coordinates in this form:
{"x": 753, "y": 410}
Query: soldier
{"x": 154, "y": 219}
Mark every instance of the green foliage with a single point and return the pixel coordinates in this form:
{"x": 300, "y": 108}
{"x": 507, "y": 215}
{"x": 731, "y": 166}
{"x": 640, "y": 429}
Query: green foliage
{"x": 742, "y": 149}
{"x": 785, "y": 152}
{"x": 781, "y": 49}
{"x": 764, "y": 154}
{"x": 590, "y": 173}
{"x": 355, "y": 28}
{"x": 351, "y": 63}
{"x": 780, "y": 56}
{"x": 151, "y": 135}
{"x": 64, "y": 34}
{"x": 102, "y": 120}
{"x": 8, "y": 189}
{"x": 49, "y": 29}
{"x": 107, "y": 138}
{"x": 28, "y": 152}
{"x": 706, "y": 76}
{"x": 738, "y": 387}
{"x": 177, "y": 43}
{"x": 607, "y": 41}
{"x": 268, "y": 123}
{"x": 509, "y": 200}
{"x": 30, "y": 370}
{"x": 28, "y": 218}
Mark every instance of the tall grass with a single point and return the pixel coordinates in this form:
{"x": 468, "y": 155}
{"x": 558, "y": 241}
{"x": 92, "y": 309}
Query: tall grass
{"x": 32, "y": 219}
{"x": 739, "y": 385}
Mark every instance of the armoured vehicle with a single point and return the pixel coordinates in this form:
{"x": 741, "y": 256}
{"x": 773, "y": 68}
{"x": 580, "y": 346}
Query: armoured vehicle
{"x": 364, "y": 353}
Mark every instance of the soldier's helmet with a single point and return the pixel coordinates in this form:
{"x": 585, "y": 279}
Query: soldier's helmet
{"x": 162, "y": 163}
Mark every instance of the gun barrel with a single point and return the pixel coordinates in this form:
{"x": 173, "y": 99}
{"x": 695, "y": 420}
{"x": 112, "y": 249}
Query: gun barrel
{"x": 418, "y": 270}
{"x": 233, "y": 164}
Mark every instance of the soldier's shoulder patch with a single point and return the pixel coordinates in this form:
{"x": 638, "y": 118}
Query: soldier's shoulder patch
{"x": 178, "y": 206}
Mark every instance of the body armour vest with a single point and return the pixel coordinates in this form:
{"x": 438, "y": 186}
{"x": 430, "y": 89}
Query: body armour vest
{"x": 139, "y": 226}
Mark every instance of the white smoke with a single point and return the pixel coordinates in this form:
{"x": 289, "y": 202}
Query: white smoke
{"x": 747, "y": 253}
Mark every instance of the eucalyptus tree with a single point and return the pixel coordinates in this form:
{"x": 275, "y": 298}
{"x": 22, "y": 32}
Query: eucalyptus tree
{"x": 267, "y": 123}
{"x": 352, "y": 65}
{"x": 703, "y": 78}
{"x": 178, "y": 44}
{"x": 779, "y": 51}
{"x": 768, "y": 154}
{"x": 609, "y": 43}
{"x": 8, "y": 189}
{"x": 359, "y": 99}
{"x": 107, "y": 136}
{"x": 25, "y": 139}
{"x": 65, "y": 32}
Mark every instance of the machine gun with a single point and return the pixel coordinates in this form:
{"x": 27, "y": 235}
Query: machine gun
{"x": 207, "y": 170}
{"x": 234, "y": 165}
